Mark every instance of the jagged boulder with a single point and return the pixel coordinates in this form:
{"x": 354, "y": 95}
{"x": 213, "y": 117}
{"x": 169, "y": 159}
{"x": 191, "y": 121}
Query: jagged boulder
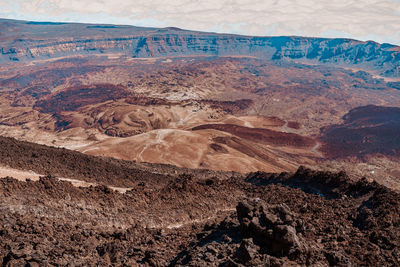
{"x": 247, "y": 251}
{"x": 272, "y": 227}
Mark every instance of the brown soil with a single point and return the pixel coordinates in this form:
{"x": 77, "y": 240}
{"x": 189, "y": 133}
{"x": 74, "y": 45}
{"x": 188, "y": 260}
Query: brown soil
{"x": 366, "y": 130}
{"x": 74, "y": 98}
{"x": 261, "y": 135}
{"x": 231, "y": 107}
{"x": 294, "y": 125}
{"x": 259, "y": 220}
{"x": 66, "y": 163}
{"x": 181, "y": 93}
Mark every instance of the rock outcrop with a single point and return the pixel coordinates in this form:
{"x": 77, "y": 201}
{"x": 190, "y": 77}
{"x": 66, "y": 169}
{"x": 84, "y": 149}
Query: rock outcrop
{"x": 180, "y": 217}
{"x": 273, "y": 227}
{"x": 48, "y": 40}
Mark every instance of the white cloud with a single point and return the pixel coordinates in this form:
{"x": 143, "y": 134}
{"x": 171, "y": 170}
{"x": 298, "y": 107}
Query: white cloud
{"x": 361, "y": 19}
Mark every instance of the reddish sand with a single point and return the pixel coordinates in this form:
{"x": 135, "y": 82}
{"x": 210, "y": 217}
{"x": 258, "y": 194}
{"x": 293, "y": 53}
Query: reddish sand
{"x": 261, "y": 135}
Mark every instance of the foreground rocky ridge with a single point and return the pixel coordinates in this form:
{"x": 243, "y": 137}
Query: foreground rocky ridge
{"x": 37, "y": 40}
{"x": 195, "y": 218}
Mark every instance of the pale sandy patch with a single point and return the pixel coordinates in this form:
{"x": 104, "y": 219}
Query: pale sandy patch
{"x": 18, "y": 174}
{"x": 22, "y": 175}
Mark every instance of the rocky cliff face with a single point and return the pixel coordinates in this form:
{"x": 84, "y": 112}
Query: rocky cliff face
{"x": 27, "y": 40}
{"x": 369, "y": 55}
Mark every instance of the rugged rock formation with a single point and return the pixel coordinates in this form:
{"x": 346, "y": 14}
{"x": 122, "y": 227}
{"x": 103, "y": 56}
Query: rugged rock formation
{"x": 200, "y": 112}
{"x": 60, "y": 39}
{"x": 268, "y": 232}
{"x": 181, "y": 217}
{"x": 272, "y": 227}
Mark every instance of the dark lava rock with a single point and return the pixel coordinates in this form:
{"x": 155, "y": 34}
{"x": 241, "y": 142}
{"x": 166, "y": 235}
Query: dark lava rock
{"x": 247, "y": 251}
{"x": 271, "y": 226}
{"x": 189, "y": 218}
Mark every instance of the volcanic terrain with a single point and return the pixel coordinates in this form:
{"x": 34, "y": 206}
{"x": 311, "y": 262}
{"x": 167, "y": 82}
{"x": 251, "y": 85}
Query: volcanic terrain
{"x": 129, "y": 146}
{"x": 93, "y": 211}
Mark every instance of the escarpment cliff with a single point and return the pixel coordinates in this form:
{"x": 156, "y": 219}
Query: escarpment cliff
{"x": 20, "y": 41}
{"x": 368, "y": 55}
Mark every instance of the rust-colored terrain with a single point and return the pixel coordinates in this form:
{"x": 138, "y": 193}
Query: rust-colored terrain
{"x": 261, "y": 135}
{"x": 146, "y": 110}
{"x": 181, "y": 217}
{"x": 164, "y": 147}
{"x": 366, "y": 130}
{"x": 73, "y": 98}
{"x": 141, "y": 99}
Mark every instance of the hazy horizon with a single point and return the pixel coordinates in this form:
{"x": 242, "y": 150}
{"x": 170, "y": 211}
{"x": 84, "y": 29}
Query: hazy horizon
{"x": 362, "y": 20}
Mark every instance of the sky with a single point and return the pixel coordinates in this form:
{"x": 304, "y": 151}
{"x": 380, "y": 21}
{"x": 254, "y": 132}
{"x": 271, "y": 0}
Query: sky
{"x": 377, "y": 20}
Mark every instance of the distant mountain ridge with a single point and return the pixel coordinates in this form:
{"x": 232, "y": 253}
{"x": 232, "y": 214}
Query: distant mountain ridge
{"x": 25, "y": 41}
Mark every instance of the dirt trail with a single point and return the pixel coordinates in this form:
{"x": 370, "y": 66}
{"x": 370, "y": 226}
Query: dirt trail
{"x": 315, "y": 149}
{"x": 23, "y": 175}
{"x": 18, "y": 174}
{"x": 286, "y": 129}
